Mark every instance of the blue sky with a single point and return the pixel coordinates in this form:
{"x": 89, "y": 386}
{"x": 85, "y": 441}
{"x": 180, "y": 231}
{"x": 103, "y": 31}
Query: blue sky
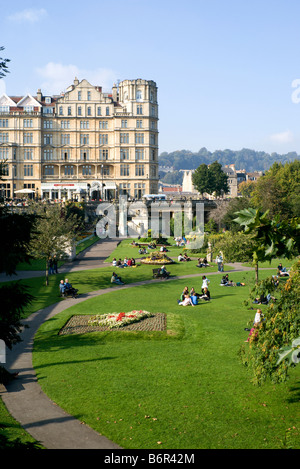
{"x": 227, "y": 71}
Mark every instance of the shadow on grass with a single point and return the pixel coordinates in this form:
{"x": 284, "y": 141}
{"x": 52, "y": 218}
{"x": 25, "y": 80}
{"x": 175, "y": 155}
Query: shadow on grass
{"x": 295, "y": 398}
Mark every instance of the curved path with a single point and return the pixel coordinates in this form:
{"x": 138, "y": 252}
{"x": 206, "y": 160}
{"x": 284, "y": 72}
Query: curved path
{"x": 23, "y": 397}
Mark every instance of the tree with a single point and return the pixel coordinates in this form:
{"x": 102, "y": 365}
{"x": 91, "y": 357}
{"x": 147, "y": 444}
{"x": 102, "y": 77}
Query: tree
{"x": 235, "y": 246}
{"x": 218, "y": 214}
{"x": 278, "y": 190}
{"x": 3, "y": 65}
{"x": 233, "y": 206}
{"x": 201, "y": 180}
{"x": 210, "y": 179}
{"x": 274, "y": 237}
{"x": 246, "y": 188}
{"x": 15, "y": 235}
{"x": 218, "y": 179}
{"x": 55, "y": 232}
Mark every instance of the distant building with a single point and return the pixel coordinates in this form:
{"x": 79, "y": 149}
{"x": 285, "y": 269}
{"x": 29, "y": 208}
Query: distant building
{"x": 187, "y": 182}
{"x": 82, "y": 143}
{"x": 254, "y": 176}
{"x": 230, "y": 172}
{"x": 171, "y": 189}
{"x": 235, "y": 177}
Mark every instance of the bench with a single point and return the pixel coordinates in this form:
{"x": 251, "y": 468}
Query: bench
{"x": 156, "y": 273}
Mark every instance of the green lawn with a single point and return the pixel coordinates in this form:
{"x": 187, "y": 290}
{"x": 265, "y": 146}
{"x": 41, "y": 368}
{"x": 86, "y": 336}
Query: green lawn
{"x": 96, "y": 279}
{"x": 180, "y": 389}
{"x": 273, "y": 264}
{"x": 40, "y": 264}
{"x": 125, "y": 249}
{"x": 86, "y": 244}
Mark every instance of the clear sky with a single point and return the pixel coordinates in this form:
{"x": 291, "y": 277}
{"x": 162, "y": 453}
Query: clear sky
{"x": 227, "y": 71}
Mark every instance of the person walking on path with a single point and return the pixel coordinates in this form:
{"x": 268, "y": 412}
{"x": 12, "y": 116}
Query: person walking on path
{"x": 219, "y": 260}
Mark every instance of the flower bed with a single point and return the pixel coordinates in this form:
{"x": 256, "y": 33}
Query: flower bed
{"x": 79, "y": 324}
{"x": 117, "y": 320}
{"x": 157, "y": 258}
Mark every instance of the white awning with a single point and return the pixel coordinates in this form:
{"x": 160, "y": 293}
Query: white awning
{"x": 24, "y": 191}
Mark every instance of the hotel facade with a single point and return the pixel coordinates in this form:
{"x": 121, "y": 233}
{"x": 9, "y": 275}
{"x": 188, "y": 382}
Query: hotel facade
{"x": 83, "y": 143}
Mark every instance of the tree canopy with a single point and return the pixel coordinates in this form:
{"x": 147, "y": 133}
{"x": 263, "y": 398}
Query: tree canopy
{"x": 55, "y": 230}
{"x": 3, "y": 65}
{"x": 15, "y": 235}
{"x": 210, "y": 179}
{"x": 247, "y": 159}
{"x": 279, "y": 190}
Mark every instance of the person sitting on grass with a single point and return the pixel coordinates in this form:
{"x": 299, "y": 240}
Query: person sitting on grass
{"x": 282, "y": 272}
{"x": 129, "y": 262}
{"x": 275, "y": 280}
{"x": 185, "y": 292}
{"x": 202, "y": 262}
{"x": 225, "y": 281}
{"x": 206, "y": 294}
{"x": 186, "y": 258}
{"x": 193, "y": 292}
{"x": 186, "y": 301}
{"x": 264, "y": 300}
{"x": 116, "y": 279}
{"x": 181, "y": 258}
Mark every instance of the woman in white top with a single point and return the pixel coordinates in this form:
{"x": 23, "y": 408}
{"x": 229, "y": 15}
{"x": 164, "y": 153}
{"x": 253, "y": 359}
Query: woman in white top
{"x": 205, "y": 283}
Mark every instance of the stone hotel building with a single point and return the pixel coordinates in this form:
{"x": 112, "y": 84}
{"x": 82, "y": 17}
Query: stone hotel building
{"x": 82, "y": 143}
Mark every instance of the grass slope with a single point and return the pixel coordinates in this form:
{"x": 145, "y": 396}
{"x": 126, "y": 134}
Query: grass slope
{"x": 184, "y": 388}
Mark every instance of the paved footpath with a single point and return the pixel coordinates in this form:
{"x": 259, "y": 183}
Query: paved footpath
{"x": 23, "y": 397}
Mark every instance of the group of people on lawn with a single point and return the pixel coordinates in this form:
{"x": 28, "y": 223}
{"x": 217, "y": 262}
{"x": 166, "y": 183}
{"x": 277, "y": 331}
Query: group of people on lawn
{"x": 191, "y": 297}
{"x": 126, "y": 263}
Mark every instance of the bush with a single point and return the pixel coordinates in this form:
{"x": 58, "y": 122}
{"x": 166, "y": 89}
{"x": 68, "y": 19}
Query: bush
{"x": 280, "y": 328}
{"x": 236, "y": 247}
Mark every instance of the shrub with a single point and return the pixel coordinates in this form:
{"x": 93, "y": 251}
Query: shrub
{"x": 280, "y": 327}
